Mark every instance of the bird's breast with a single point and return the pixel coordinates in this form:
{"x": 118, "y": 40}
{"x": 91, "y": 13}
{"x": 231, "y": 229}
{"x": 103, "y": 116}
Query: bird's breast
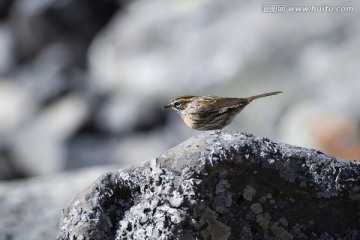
{"x": 188, "y": 120}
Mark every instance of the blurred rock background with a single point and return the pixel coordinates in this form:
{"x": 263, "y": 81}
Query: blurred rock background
{"x": 82, "y": 82}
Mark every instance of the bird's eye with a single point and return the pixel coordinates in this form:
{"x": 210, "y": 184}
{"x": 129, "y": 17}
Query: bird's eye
{"x": 177, "y": 104}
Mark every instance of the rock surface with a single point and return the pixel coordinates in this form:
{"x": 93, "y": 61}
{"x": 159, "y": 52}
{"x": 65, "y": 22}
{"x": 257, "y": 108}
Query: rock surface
{"x": 222, "y": 185}
{"x": 30, "y": 209}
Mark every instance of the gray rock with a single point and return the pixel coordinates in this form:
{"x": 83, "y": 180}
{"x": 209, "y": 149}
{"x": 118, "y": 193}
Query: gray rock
{"x": 30, "y": 209}
{"x": 37, "y": 24}
{"x": 124, "y": 114}
{"x": 222, "y": 185}
{"x": 15, "y": 106}
{"x": 6, "y": 48}
{"x": 43, "y": 49}
{"x": 39, "y": 146}
{"x": 139, "y": 48}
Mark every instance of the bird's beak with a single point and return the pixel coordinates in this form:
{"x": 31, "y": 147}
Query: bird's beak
{"x": 167, "y": 106}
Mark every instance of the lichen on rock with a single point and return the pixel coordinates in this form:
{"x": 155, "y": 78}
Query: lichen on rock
{"x": 222, "y": 185}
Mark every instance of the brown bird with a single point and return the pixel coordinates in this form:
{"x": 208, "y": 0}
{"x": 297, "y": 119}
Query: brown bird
{"x": 210, "y": 112}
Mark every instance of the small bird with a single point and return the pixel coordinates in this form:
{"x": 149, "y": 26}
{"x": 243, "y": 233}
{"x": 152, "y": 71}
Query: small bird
{"x": 210, "y": 112}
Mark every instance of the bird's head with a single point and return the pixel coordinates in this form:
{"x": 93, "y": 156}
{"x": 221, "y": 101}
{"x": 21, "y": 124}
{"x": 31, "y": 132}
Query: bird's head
{"x": 179, "y": 104}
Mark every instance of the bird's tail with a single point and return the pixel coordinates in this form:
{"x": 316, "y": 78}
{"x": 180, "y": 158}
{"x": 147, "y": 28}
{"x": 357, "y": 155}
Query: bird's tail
{"x": 262, "y": 95}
